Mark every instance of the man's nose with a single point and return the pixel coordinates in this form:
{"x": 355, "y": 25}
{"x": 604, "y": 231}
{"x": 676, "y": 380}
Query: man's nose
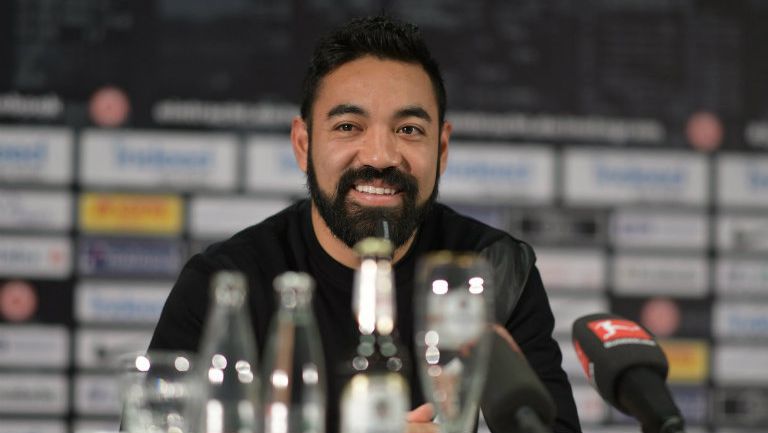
{"x": 380, "y": 149}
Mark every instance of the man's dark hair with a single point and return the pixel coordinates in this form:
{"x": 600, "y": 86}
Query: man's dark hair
{"x": 380, "y": 36}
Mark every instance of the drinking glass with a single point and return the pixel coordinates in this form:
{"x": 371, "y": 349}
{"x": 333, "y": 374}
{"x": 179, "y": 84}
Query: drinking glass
{"x": 453, "y": 311}
{"x": 155, "y": 391}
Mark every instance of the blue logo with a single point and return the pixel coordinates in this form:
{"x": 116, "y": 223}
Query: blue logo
{"x": 639, "y": 176}
{"x": 162, "y": 159}
{"x": 483, "y": 171}
{"x": 130, "y": 257}
{"x": 23, "y": 154}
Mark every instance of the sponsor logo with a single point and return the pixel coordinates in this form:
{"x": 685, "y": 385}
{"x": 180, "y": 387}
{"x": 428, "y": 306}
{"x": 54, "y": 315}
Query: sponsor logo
{"x": 230, "y": 113}
{"x": 137, "y": 257}
{"x": 33, "y": 346}
{"x": 742, "y": 233}
{"x": 742, "y": 277}
{"x": 620, "y": 177}
{"x": 654, "y": 275}
{"x": 40, "y": 155}
{"x": 30, "y": 106}
{"x": 563, "y": 226}
{"x": 35, "y": 210}
{"x": 569, "y": 308}
{"x": 97, "y": 395}
{"x": 616, "y": 332}
{"x": 27, "y": 394}
{"x": 214, "y": 217}
{"x": 119, "y": 302}
{"x": 101, "y": 349}
{"x": 741, "y": 320}
{"x": 740, "y": 364}
{"x": 18, "y": 301}
{"x": 32, "y": 426}
{"x": 572, "y": 270}
{"x": 96, "y": 425}
{"x": 740, "y": 406}
{"x": 476, "y": 171}
{"x": 586, "y": 364}
{"x": 688, "y": 360}
{"x": 147, "y": 159}
{"x": 150, "y": 214}
{"x": 637, "y": 228}
{"x": 271, "y": 165}
{"x": 742, "y": 181}
{"x": 28, "y": 256}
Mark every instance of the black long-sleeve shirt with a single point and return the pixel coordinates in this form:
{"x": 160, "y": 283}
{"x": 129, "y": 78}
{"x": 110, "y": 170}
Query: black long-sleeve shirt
{"x": 286, "y": 241}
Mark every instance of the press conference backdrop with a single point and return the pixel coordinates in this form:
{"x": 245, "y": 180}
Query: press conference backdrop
{"x": 626, "y": 140}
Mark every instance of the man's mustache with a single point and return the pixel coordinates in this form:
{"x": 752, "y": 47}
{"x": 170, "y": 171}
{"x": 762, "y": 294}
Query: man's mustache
{"x": 391, "y": 176}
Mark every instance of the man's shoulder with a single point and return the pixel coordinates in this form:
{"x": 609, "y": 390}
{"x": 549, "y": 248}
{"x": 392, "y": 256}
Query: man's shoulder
{"x": 261, "y": 239}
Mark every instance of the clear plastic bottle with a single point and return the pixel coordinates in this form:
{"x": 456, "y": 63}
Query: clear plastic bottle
{"x": 225, "y": 380}
{"x": 377, "y": 396}
{"x": 293, "y": 383}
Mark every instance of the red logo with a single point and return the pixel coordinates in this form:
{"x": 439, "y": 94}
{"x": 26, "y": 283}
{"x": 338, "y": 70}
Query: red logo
{"x": 618, "y": 329}
{"x": 583, "y": 359}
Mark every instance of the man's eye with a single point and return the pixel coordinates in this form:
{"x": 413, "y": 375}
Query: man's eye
{"x": 409, "y": 130}
{"x": 346, "y": 127}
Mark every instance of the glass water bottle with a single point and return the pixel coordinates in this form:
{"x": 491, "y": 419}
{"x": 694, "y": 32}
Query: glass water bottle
{"x": 293, "y": 392}
{"x": 227, "y": 392}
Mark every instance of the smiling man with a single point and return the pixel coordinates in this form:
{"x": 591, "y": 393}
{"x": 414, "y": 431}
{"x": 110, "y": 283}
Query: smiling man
{"x": 373, "y": 141}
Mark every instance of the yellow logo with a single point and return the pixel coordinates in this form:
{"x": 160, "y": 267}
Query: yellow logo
{"x": 131, "y": 213}
{"x": 688, "y": 360}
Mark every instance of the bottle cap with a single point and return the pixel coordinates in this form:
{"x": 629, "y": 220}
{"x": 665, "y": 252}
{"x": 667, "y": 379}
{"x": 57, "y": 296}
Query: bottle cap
{"x": 374, "y": 247}
{"x": 229, "y": 288}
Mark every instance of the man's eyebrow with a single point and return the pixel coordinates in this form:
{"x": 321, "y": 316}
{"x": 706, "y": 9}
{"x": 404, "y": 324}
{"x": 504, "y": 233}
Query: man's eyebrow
{"x": 413, "y": 111}
{"x": 346, "y": 109}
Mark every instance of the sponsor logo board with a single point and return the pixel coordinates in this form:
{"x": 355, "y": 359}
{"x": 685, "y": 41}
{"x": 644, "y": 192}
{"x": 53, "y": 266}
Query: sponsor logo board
{"x": 32, "y": 426}
{"x": 188, "y": 160}
{"x": 693, "y": 402}
{"x": 271, "y": 165}
{"x": 665, "y": 316}
{"x": 637, "y": 274}
{"x": 688, "y": 360}
{"x": 129, "y": 213}
{"x": 742, "y": 181}
{"x": 737, "y": 276}
{"x": 740, "y": 320}
{"x": 561, "y": 226}
{"x": 120, "y": 302}
{"x": 569, "y": 308}
{"x": 669, "y": 230}
{"x": 101, "y": 348}
{"x": 741, "y": 233}
{"x": 130, "y": 257}
{"x": 34, "y": 346}
{"x": 33, "y": 394}
{"x": 216, "y": 217}
{"x": 97, "y": 394}
{"x": 581, "y": 270}
{"x": 499, "y": 173}
{"x": 605, "y": 176}
{"x": 35, "y": 256}
{"x": 740, "y": 365}
{"x": 35, "y": 155}
{"x": 35, "y": 210}
{"x": 96, "y": 425}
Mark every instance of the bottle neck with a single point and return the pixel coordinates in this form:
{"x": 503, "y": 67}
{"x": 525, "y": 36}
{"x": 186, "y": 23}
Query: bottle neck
{"x": 374, "y": 296}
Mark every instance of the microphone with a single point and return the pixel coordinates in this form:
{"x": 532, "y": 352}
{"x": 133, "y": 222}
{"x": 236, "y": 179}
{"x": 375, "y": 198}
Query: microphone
{"x": 623, "y": 361}
{"x": 513, "y": 396}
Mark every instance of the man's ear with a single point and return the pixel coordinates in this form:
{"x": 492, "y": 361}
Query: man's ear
{"x": 445, "y": 137}
{"x": 300, "y": 142}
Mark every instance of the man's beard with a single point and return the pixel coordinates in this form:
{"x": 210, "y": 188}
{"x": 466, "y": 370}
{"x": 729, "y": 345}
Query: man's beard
{"x": 351, "y": 222}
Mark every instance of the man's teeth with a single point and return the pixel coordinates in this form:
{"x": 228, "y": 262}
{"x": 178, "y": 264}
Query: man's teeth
{"x": 374, "y": 190}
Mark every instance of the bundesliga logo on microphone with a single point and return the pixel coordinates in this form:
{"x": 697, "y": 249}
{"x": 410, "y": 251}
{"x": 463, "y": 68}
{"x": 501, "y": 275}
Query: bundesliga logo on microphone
{"x": 615, "y": 332}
